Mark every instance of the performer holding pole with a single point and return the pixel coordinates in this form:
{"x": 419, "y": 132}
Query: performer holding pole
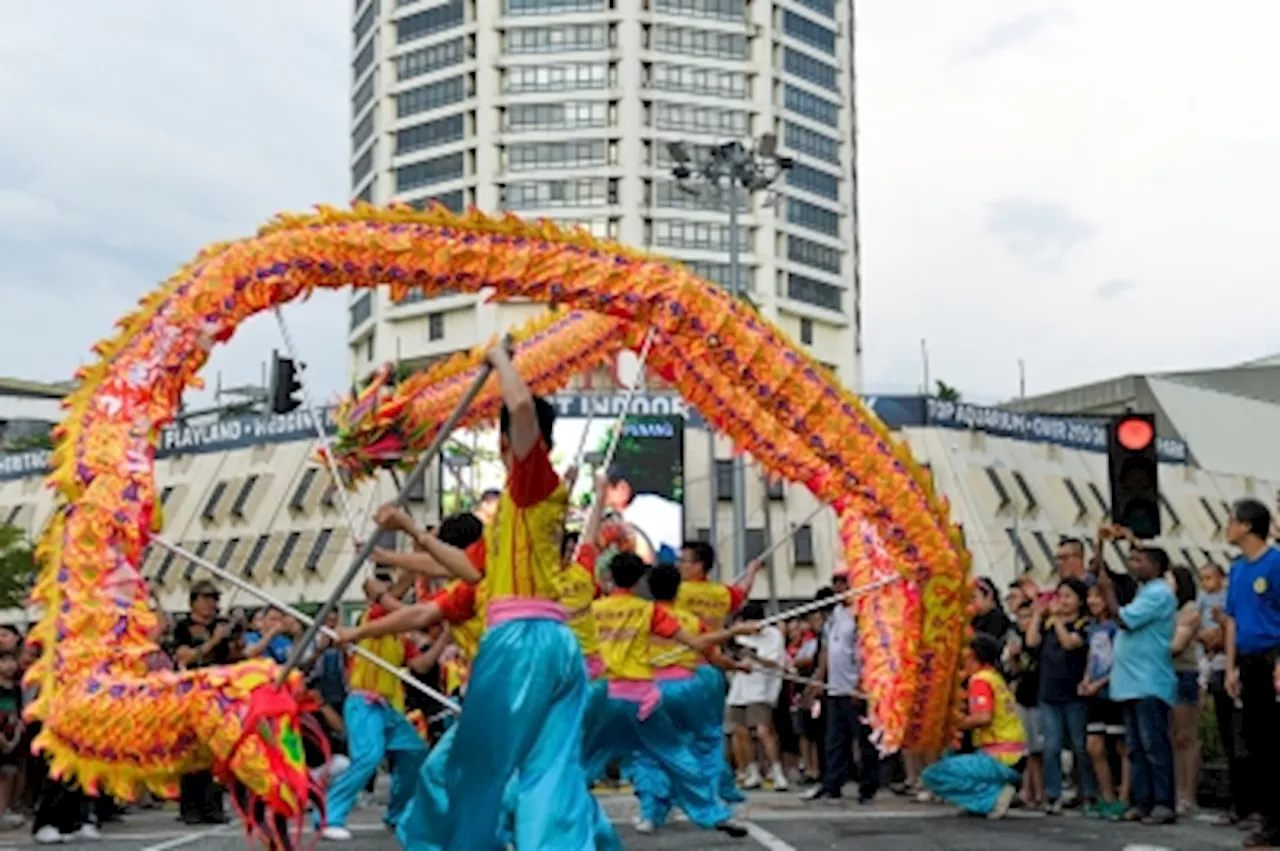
{"x": 528, "y": 687}
{"x": 630, "y": 720}
{"x": 712, "y": 603}
{"x": 402, "y": 501}
{"x": 685, "y": 700}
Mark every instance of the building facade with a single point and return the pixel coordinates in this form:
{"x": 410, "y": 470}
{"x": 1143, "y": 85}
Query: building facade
{"x": 28, "y": 409}
{"x": 564, "y": 109}
{"x": 247, "y": 494}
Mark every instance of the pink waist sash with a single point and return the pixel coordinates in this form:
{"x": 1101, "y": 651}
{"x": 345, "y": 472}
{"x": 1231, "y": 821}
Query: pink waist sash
{"x": 1004, "y": 748}
{"x": 643, "y": 693}
{"x": 595, "y": 666}
{"x": 510, "y": 609}
{"x": 674, "y": 672}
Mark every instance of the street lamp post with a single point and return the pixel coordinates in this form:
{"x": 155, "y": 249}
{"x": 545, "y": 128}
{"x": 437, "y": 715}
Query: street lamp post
{"x": 731, "y": 168}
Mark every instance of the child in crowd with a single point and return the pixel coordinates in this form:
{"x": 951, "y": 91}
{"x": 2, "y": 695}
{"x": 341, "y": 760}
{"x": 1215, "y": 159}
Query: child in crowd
{"x": 1023, "y": 664}
{"x": 1106, "y": 718}
{"x": 11, "y": 736}
{"x": 985, "y": 781}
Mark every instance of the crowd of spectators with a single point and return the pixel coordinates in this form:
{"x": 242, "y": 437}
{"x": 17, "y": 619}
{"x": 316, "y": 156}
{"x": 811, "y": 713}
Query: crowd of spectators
{"x": 1111, "y": 673}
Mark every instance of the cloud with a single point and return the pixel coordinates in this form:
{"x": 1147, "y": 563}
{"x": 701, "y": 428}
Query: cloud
{"x": 1114, "y": 288}
{"x": 1012, "y": 33}
{"x": 996, "y": 196}
{"x": 145, "y": 136}
{"x": 1037, "y": 232}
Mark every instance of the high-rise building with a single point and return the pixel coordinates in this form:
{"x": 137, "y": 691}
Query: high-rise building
{"x": 564, "y": 109}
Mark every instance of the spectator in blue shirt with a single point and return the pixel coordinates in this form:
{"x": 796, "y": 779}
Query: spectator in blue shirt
{"x": 274, "y": 640}
{"x": 1253, "y": 646}
{"x": 1143, "y": 680}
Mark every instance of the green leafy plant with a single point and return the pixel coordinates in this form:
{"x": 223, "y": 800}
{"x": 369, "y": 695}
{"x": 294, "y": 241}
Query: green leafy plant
{"x": 17, "y": 567}
{"x": 27, "y": 443}
{"x": 946, "y": 393}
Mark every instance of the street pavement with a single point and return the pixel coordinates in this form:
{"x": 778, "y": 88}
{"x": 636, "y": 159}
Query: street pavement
{"x": 777, "y": 822}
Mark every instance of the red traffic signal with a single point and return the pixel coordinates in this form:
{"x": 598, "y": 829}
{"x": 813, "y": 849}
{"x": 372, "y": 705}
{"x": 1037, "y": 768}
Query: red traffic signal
{"x": 1133, "y": 473}
{"x": 1135, "y": 433}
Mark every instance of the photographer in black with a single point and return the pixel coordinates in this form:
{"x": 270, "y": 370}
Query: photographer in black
{"x": 199, "y": 639}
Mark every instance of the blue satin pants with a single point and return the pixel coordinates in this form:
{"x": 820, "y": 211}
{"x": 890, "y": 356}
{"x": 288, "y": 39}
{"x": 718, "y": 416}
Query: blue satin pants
{"x": 374, "y": 731}
{"x": 523, "y": 723}
{"x": 661, "y": 756}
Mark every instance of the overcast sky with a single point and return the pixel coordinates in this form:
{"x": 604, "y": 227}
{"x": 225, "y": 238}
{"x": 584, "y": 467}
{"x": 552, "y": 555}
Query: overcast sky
{"x": 1090, "y": 186}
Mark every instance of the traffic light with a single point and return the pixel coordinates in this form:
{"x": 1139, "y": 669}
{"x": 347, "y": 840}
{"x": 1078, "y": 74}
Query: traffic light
{"x": 1133, "y": 469}
{"x": 286, "y": 389}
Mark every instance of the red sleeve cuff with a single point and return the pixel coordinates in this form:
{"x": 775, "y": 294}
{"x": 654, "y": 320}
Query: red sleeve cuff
{"x": 458, "y": 603}
{"x": 664, "y": 625}
{"x": 737, "y": 597}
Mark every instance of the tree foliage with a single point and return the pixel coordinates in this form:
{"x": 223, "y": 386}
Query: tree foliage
{"x": 17, "y": 567}
{"x": 27, "y": 443}
{"x": 946, "y": 393}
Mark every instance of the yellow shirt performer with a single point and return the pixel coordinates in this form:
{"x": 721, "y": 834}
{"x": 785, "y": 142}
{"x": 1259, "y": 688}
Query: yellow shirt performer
{"x": 984, "y": 782}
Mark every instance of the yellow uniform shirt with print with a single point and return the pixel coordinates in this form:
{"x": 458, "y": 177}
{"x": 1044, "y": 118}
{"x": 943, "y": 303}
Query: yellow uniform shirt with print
{"x": 712, "y": 602}
{"x": 1004, "y": 739}
{"x": 625, "y": 627}
{"x": 577, "y": 591}
{"x": 669, "y": 653}
{"x": 522, "y": 550}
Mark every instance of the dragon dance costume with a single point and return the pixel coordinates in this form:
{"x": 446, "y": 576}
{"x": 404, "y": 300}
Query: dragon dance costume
{"x": 373, "y": 715}
{"x": 527, "y": 692}
{"x": 712, "y": 603}
{"x": 627, "y": 716}
{"x": 689, "y": 701}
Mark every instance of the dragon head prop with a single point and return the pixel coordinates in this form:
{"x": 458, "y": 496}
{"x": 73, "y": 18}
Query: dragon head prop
{"x": 369, "y": 436}
{"x": 259, "y": 750}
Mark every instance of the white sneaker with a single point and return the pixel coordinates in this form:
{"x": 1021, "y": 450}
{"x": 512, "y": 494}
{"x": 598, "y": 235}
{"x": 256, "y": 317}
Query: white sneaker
{"x": 10, "y": 820}
{"x": 333, "y": 833}
{"x": 752, "y": 780}
{"x": 779, "y": 778}
{"x": 88, "y": 832}
{"x": 1003, "y": 803}
{"x": 48, "y": 835}
{"x": 337, "y": 765}
{"x": 644, "y": 826}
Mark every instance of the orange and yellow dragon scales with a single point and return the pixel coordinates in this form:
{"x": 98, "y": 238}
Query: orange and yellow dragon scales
{"x": 116, "y": 727}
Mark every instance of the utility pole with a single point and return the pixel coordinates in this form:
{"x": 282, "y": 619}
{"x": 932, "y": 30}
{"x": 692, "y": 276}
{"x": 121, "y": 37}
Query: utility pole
{"x": 732, "y": 167}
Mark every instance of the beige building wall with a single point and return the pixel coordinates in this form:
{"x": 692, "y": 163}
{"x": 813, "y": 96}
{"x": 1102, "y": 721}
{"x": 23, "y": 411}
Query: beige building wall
{"x": 268, "y": 512}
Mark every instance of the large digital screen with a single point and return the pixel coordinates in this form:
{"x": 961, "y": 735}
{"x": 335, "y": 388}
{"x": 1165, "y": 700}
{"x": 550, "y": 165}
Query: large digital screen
{"x": 645, "y": 478}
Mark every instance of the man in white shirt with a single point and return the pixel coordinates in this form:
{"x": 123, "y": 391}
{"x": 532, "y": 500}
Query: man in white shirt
{"x": 845, "y": 707}
{"x": 752, "y": 697}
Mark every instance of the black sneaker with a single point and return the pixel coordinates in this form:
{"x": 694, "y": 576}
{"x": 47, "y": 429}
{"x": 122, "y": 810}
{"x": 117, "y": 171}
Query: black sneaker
{"x": 732, "y": 828}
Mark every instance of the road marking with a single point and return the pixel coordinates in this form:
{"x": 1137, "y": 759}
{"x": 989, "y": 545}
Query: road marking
{"x": 179, "y": 841}
{"x": 1146, "y": 848}
{"x": 766, "y": 839}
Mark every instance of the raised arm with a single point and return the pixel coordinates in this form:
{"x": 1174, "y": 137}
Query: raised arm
{"x": 418, "y": 563}
{"x": 450, "y": 558}
{"x": 524, "y": 433}
{"x": 1036, "y": 627}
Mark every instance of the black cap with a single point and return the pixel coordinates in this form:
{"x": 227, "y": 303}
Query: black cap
{"x": 205, "y": 588}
